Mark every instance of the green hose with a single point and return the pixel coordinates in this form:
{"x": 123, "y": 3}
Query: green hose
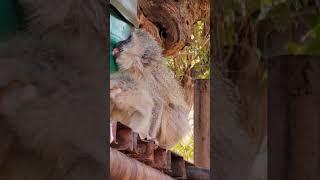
{"x": 120, "y": 29}
{"x": 8, "y": 18}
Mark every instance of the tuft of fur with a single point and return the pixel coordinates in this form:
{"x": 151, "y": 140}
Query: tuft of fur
{"x": 135, "y": 100}
{"x": 141, "y": 61}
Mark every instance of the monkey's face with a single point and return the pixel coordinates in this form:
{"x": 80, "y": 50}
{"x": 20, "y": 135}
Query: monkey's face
{"x": 138, "y": 52}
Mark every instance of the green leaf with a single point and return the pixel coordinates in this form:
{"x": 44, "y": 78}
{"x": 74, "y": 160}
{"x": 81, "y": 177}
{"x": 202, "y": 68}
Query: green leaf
{"x": 296, "y": 48}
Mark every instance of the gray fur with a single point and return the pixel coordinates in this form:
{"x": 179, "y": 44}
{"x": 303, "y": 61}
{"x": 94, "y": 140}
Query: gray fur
{"x": 163, "y": 111}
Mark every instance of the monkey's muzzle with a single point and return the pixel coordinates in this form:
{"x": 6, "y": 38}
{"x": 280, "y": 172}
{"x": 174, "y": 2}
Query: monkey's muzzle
{"x": 116, "y": 52}
{"x": 119, "y": 47}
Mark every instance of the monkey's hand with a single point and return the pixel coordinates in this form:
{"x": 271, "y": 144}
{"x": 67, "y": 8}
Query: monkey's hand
{"x": 115, "y": 88}
{"x": 114, "y": 84}
{"x": 114, "y": 92}
{"x": 120, "y": 84}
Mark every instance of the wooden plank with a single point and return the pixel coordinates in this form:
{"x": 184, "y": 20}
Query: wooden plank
{"x": 197, "y": 173}
{"x": 304, "y": 117}
{"x": 278, "y": 122}
{"x": 178, "y": 166}
{"x": 202, "y": 123}
{"x": 144, "y": 152}
{"x": 294, "y": 128}
{"x": 126, "y": 139}
{"x": 162, "y": 160}
{"x": 123, "y": 167}
{"x": 148, "y": 153}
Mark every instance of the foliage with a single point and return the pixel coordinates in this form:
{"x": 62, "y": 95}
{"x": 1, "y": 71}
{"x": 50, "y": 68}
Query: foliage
{"x": 276, "y": 15}
{"x": 279, "y": 15}
{"x": 309, "y": 43}
{"x": 185, "y": 148}
{"x": 194, "y": 57}
{"x": 192, "y": 62}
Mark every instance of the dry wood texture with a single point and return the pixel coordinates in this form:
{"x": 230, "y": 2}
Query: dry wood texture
{"x": 170, "y": 22}
{"x": 202, "y": 123}
{"x": 153, "y": 158}
{"x": 294, "y": 117}
{"x": 125, "y": 168}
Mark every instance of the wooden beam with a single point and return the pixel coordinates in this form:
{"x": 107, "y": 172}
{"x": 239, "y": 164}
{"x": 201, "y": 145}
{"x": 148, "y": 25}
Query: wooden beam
{"x": 304, "y": 118}
{"x": 197, "y": 173}
{"x": 162, "y": 160}
{"x": 144, "y": 152}
{"x": 125, "y": 168}
{"x": 202, "y": 123}
{"x": 126, "y": 139}
{"x": 294, "y": 128}
{"x": 178, "y": 166}
{"x": 153, "y": 156}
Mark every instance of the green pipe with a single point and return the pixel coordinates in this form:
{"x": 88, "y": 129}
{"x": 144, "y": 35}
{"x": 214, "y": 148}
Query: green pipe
{"x": 120, "y": 29}
{"x": 8, "y": 18}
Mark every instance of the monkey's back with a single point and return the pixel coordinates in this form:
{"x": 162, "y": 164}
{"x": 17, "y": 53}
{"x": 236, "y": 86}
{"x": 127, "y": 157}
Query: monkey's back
{"x": 174, "y": 118}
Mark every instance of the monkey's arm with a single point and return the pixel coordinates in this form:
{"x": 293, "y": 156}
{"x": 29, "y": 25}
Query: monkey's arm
{"x": 132, "y": 104}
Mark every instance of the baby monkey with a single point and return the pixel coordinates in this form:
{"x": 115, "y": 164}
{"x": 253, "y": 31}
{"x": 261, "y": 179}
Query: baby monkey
{"x": 144, "y": 94}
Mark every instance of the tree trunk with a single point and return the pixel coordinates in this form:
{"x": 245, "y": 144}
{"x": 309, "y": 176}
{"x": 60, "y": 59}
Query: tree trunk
{"x": 170, "y": 22}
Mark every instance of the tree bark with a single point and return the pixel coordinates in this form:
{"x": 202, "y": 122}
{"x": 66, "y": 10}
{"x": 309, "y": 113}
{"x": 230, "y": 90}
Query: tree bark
{"x": 170, "y": 22}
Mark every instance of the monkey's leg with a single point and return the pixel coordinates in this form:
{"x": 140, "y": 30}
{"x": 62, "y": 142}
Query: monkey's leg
{"x": 135, "y": 111}
{"x": 138, "y": 121}
{"x": 113, "y": 93}
{"x": 174, "y": 125}
{"x": 156, "y": 118}
{"x": 132, "y": 104}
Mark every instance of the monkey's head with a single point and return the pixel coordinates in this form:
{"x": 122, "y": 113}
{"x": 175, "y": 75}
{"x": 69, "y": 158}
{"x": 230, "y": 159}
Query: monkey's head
{"x": 137, "y": 53}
